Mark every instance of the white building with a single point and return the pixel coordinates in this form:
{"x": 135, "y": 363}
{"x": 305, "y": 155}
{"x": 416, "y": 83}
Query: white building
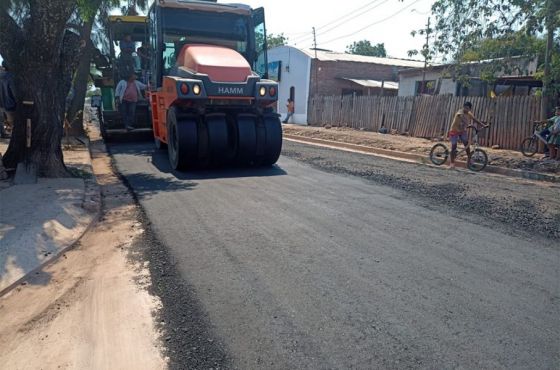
{"x": 291, "y": 67}
{"x": 438, "y": 80}
{"x": 303, "y": 73}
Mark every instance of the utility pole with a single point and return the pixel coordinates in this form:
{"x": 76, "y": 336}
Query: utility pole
{"x": 425, "y": 52}
{"x": 551, "y": 13}
{"x": 546, "y": 79}
{"x": 316, "y": 60}
{"x": 315, "y": 42}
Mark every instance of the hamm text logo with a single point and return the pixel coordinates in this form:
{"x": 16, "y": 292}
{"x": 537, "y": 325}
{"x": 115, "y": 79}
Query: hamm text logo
{"x": 230, "y": 90}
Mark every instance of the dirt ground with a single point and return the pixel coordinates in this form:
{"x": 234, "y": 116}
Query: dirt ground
{"x": 498, "y": 157}
{"x": 90, "y": 309}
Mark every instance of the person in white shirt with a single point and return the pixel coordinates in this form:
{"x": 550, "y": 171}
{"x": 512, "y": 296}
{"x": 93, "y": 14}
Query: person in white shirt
{"x": 127, "y": 95}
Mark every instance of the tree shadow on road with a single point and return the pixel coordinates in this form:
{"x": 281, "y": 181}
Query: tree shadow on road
{"x": 160, "y": 160}
{"x": 145, "y": 185}
{"x": 37, "y": 223}
{"x": 141, "y": 148}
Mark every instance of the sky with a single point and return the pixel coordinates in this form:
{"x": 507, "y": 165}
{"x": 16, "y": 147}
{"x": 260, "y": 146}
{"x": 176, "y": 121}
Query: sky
{"x": 340, "y": 23}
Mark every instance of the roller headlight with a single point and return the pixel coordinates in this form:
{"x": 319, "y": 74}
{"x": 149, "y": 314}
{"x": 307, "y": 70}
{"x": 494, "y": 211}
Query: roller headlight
{"x": 196, "y": 89}
{"x": 262, "y": 91}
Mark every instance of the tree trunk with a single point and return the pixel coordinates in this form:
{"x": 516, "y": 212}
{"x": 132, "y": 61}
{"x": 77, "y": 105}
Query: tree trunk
{"x": 41, "y": 56}
{"x": 75, "y": 110}
{"x": 46, "y": 86}
{"x": 46, "y": 130}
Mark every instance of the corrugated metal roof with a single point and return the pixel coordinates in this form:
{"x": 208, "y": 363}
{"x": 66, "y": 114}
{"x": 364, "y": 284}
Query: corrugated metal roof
{"x": 434, "y": 67}
{"x": 389, "y": 85}
{"x": 326, "y": 56}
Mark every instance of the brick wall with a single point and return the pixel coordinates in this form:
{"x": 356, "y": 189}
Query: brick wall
{"x": 326, "y": 76}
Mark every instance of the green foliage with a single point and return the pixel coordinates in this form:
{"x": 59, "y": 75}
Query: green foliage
{"x": 426, "y": 53}
{"x": 259, "y": 39}
{"x": 88, "y": 8}
{"x": 476, "y": 30}
{"x": 518, "y": 43}
{"x": 464, "y": 26}
{"x": 364, "y": 47}
{"x": 276, "y": 40}
{"x": 554, "y": 78}
{"x": 461, "y": 25}
{"x": 501, "y": 50}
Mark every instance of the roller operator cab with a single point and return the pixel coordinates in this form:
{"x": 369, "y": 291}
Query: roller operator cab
{"x": 211, "y": 101}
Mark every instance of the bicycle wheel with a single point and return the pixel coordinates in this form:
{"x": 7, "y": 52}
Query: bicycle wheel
{"x": 529, "y": 146}
{"x": 439, "y": 154}
{"x": 478, "y": 160}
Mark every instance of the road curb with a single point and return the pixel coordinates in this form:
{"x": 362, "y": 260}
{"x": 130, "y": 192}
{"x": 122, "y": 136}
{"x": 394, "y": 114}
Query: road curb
{"x": 417, "y": 158}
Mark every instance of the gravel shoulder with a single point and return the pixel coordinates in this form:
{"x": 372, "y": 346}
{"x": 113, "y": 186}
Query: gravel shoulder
{"x": 497, "y": 157}
{"x": 91, "y": 308}
{"x": 518, "y": 206}
{"x": 189, "y": 341}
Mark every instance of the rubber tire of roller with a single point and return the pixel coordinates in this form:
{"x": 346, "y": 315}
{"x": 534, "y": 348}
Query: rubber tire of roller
{"x": 182, "y": 140}
{"x": 246, "y": 140}
{"x": 273, "y": 146}
{"x": 219, "y": 150}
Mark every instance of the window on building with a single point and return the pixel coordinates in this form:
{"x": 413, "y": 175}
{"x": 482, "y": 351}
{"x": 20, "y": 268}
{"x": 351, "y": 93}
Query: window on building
{"x": 293, "y": 93}
{"x": 353, "y": 92}
{"x": 478, "y": 88}
{"x": 474, "y": 87}
{"x": 428, "y": 87}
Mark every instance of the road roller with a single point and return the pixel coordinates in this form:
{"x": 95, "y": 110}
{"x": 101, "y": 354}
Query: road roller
{"x": 211, "y": 101}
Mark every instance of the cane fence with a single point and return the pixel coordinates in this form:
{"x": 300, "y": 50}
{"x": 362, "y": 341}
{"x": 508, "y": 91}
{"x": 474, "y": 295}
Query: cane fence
{"x": 429, "y": 116}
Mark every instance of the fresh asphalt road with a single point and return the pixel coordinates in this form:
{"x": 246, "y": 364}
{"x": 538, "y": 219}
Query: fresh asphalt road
{"x": 298, "y": 268}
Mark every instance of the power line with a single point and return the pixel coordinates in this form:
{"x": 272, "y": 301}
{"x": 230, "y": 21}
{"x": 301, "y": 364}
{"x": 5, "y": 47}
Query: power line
{"x": 342, "y": 20}
{"x": 359, "y": 15}
{"x": 372, "y": 24}
{"x": 348, "y": 14}
{"x": 296, "y": 34}
{"x": 308, "y": 36}
{"x": 362, "y": 9}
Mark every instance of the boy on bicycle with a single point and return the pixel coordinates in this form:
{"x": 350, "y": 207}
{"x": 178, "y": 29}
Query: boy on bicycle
{"x": 461, "y": 121}
{"x": 554, "y": 138}
{"x": 545, "y": 133}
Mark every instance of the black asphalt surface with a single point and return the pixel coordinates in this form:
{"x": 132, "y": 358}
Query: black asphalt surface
{"x": 334, "y": 260}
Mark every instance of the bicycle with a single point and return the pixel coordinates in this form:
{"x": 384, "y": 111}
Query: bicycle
{"x": 476, "y": 162}
{"x": 530, "y": 145}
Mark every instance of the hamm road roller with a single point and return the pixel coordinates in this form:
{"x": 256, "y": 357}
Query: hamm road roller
{"x": 211, "y": 102}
